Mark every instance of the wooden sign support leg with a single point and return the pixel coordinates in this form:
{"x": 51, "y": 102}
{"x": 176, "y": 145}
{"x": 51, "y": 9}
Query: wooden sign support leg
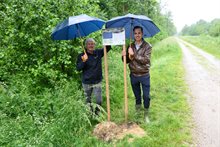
{"x": 107, "y": 83}
{"x": 125, "y": 86}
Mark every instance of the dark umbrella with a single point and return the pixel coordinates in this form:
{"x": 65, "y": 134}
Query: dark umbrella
{"x": 77, "y": 26}
{"x": 129, "y": 21}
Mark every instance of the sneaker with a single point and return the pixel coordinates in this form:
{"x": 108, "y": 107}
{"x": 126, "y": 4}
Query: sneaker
{"x": 97, "y": 111}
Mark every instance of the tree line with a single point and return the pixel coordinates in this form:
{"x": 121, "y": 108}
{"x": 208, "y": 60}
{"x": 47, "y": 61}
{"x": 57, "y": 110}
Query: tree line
{"x": 203, "y": 27}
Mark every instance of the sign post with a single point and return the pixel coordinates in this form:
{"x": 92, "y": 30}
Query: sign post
{"x": 115, "y": 36}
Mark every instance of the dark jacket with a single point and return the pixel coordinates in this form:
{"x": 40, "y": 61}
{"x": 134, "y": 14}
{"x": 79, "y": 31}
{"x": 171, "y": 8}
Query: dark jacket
{"x": 92, "y": 68}
{"x": 139, "y": 63}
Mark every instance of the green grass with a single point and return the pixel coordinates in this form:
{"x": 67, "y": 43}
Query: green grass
{"x": 207, "y": 43}
{"x": 35, "y": 116}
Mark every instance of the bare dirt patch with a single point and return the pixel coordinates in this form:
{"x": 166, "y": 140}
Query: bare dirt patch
{"x": 109, "y": 131}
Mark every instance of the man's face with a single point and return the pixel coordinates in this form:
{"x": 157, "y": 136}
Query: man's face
{"x": 90, "y": 45}
{"x": 138, "y": 34}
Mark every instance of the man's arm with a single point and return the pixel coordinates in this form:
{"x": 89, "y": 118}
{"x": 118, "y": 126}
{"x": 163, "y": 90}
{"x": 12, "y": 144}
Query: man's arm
{"x": 80, "y": 64}
{"x": 108, "y": 48}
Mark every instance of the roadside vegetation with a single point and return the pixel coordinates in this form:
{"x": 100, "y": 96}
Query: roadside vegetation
{"x": 207, "y": 43}
{"x": 57, "y": 116}
{"x": 205, "y": 35}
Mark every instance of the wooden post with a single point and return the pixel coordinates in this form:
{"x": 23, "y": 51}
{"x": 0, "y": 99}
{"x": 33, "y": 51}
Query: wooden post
{"x": 106, "y": 81}
{"x": 125, "y": 86}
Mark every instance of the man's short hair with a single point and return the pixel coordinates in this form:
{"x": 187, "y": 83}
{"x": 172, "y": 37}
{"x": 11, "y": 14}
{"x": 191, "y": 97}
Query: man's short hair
{"x": 89, "y": 40}
{"x": 138, "y": 27}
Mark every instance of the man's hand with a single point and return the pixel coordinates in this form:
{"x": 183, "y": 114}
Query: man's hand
{"x": 123, "y": 53}
{"x": 130, "y": 51}
{"x": 84, "y": 57}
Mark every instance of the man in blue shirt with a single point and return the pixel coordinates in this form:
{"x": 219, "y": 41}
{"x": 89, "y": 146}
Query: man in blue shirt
{"x": 90, "y": 63}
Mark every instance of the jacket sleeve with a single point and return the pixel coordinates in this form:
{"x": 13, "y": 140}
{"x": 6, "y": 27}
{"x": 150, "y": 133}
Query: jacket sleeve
{"x": 79, "y": 63}
{"x": 144, "y": 58}
{"x": 108, "y": 47}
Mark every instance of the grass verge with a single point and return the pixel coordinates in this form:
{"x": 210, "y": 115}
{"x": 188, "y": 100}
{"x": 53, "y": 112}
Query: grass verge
{"x": 32, "y": 116}
{"x": 207, "y": 43}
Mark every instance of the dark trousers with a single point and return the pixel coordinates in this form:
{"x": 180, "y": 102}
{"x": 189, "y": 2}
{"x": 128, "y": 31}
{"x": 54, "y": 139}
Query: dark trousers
{"x": 96, "y": 89}
{"x": 141, "y": 81}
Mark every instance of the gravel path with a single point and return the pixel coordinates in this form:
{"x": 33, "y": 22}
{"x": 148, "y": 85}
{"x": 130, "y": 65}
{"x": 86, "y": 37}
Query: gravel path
{"x": 203, "y": 79}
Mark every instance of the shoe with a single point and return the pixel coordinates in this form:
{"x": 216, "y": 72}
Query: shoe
{"x": 146, "y": 116}
{"x": 89, "y": 106}
{"x": 97, "y": 111}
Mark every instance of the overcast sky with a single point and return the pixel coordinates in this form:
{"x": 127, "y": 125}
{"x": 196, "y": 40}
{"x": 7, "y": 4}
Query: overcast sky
{"x": 190, "y": 11}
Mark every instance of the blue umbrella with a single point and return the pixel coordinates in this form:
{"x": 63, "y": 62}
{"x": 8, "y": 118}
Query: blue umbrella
{"x": 77, "y": 26}
{"x": 129, "y": 21}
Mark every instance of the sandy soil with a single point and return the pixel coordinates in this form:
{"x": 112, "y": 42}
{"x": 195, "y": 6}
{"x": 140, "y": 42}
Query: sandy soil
{"x": 203, "y": 79}
{"x": 109, "y": 131}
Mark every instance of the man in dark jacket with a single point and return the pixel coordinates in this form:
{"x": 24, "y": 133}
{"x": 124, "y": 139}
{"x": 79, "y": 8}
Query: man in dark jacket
{"x": 138, "y": 57}
{"x": 90, "y": 63}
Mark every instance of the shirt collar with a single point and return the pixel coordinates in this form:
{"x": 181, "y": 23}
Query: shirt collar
{"x": 138, "y": 45}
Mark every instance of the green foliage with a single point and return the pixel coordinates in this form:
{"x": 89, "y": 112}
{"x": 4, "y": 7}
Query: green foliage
{"x": 214, "y": 29}
{"x": 26, "y": 27}
{"x": 51, "y": 117}
{"x": 203, "y": 28}
{"x": 115, "y": 7}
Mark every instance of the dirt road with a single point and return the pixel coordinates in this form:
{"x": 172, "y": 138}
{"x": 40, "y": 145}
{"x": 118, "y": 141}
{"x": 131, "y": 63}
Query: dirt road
{"x": 203, "y": 78}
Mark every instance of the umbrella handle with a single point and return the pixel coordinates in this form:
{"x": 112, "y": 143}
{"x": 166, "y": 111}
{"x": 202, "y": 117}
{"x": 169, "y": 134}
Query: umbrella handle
{"x": 130, "y": 42}
{"x": 81, "y": 38}
{"x": 131, "y": 31}
{"x": 82, "y": 46}
{"x": 130, "y": 37}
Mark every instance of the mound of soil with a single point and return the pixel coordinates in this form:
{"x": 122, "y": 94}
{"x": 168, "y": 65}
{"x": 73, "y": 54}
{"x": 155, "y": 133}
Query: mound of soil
{"x": 109, "y": 131}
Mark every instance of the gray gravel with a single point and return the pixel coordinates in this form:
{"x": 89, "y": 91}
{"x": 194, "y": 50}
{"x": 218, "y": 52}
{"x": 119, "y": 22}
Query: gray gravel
{"x": 202, "y": 72}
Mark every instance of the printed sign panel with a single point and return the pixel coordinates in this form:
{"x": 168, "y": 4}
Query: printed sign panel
{"x": 113, "y": 36}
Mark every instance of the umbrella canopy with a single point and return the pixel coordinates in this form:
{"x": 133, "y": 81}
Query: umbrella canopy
{"x": 129, "y": 21}
{"x": 77, "y": 26}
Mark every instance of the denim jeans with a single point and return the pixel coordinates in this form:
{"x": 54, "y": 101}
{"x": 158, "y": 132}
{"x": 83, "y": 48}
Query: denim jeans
{"x": 96, "y": 89}
{"x": 141, "y": 81}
